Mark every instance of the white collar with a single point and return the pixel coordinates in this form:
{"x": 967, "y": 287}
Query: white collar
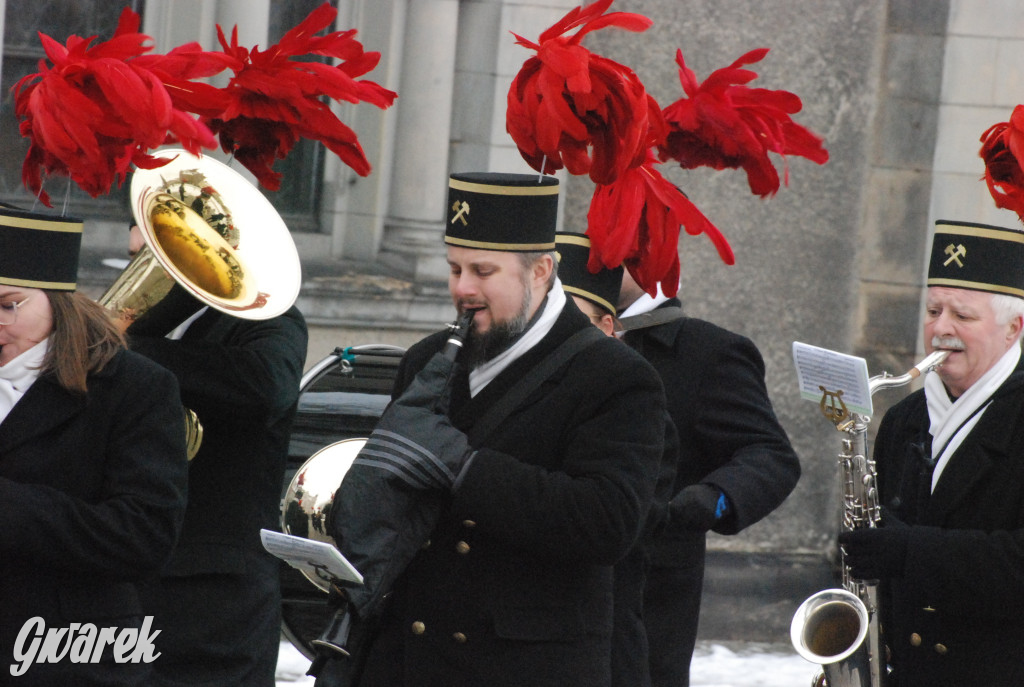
{"x": 645, "y": 303}
{"x": 951, "y": 421}
{"x": 19, "y": 374}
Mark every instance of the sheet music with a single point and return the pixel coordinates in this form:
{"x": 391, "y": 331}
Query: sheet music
{"x": 312, "y": 557}
{"x": 836, "y": 372}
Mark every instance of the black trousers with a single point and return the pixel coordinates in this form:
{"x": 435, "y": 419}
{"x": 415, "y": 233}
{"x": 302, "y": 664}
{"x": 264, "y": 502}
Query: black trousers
{"x": 216, "y": 630}
{"x": 671, "y": 615}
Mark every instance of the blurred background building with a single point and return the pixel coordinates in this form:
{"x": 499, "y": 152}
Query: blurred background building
{"x": 901, "y": 90}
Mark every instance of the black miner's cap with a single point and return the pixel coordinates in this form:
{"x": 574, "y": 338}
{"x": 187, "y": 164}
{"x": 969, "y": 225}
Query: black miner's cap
{"x": 39, "y": 251}
{"x": 509, "y": 212}
{"x": 978, "y": 257}
{"x": 602, "y": 288}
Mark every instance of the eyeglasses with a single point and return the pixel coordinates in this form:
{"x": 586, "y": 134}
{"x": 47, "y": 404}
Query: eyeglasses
{"x": 9, "y": 311}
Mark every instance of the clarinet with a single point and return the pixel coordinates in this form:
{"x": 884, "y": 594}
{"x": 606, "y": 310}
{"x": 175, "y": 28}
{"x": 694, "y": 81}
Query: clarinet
{"x": 457, "y": 332}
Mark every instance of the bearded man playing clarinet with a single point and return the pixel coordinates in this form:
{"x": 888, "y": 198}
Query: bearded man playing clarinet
{"x": 949, "y": 552}
{"x": 533, "y": 505}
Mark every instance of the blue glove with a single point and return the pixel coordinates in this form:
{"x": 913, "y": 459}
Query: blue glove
{"x": 414, "y": 439}
{"x": 697, "y": 507}
{"x": 876, "y": 553}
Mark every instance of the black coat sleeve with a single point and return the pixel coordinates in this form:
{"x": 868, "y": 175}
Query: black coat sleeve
{"x": 117, "y": 510}
{"x": 729, "y": 435}
{"x": 252, "y": 370}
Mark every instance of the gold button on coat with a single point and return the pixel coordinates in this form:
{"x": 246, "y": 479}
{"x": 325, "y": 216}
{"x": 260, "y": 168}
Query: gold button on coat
{"x": 941, "y": 649}
{"x": 459, "y": 637}
{"x": 418, "y": 628}
{"x": 462, "y": 547}
{"x": 915, "y": 639}
{"x": 468, "y": 523}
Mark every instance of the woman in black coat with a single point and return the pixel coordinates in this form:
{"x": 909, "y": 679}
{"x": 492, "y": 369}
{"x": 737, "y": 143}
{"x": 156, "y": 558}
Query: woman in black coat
{"x": 92, "y": 472}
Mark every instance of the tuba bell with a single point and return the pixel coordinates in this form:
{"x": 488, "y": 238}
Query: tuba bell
{"x": 191, "y": 212}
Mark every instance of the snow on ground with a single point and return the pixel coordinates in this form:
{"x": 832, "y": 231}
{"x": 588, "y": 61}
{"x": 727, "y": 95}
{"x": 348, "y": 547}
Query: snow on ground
{"x": 715, "y": 664}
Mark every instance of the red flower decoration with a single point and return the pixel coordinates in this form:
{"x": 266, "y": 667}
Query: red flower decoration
{"x": 724, "y": 124}
{"x": 273, "y": 100}
{"x": 1002, "y": 150}
{"x": 635, "y": 222}
{"x": 568, "y": 107}
{"x": 95, "y": 111}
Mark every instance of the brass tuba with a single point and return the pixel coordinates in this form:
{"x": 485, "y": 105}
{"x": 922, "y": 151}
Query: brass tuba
{"x": 307, "y": 501}
{"x": 191, "y": 212}
{"x": 840, "y": 628}
{"x": 309, "y": 497}
{"x": 306, "y": 504}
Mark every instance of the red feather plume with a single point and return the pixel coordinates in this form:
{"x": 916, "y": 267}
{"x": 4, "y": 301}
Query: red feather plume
{"x": 95, "y": 110}
{"x": 1002, "y": 150}
{"x": 635, "y": 220}
{"x": 724, "y": 124}
{"x": 568, "y": 107}
{"x": 273, "y": 99}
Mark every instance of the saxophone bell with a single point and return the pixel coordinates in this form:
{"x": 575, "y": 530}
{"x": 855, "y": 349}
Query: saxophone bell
{"x": 840, "y": 628}
{"x": 829, "y": 628}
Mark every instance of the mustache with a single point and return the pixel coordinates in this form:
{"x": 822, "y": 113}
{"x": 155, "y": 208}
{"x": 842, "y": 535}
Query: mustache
{"x": 951, "y": 342}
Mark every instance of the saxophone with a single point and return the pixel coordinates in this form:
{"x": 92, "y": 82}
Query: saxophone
{"x": 839, "y": 628}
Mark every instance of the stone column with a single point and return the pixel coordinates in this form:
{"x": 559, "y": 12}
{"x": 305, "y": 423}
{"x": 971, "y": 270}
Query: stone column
{"x": 175, "y": 23}
{"x": 412, "y": 234}
{"x": 252, "y": 17}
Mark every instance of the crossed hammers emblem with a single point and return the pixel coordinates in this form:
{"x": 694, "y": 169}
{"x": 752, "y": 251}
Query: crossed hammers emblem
{"x": 955, "y": 253}
{"x": 461, "y": 210}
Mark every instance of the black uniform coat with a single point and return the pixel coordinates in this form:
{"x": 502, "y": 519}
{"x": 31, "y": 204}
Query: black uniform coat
{"x": 218, "y": 602}
{"x": 956, "y": 617}
{"x": 515, "y": 586}
{"x": 92, "y": 494}
{"x": 729, "y": 437}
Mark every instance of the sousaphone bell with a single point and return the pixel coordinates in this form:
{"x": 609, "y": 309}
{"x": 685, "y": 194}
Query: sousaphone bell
{"x": 212, "y": 232}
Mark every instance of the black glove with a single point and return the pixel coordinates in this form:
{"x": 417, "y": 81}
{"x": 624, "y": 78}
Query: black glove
{"x": 414, "y": 440}
{"x": 697, "y": 507}
{"x": 875, "y": 553}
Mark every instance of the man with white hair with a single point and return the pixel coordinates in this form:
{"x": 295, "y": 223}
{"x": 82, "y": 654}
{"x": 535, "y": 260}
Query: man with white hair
{"x": 950, "y": 549}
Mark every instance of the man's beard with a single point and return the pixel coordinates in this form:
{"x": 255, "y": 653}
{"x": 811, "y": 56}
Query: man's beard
{"x": 483, "y": 347}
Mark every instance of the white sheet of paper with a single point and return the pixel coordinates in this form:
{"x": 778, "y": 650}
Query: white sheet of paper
{"x": 820, "y": 367}
{"x": 313, "y": 557}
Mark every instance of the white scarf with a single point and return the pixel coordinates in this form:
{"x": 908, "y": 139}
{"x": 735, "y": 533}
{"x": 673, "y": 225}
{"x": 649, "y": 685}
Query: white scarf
{"x": 952, "y": 421}
{"x": 18, "y": 375}
{"x": 180, "y": 330}
{"x": 483, "y": 375}
{"x": 645, "y": 303}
